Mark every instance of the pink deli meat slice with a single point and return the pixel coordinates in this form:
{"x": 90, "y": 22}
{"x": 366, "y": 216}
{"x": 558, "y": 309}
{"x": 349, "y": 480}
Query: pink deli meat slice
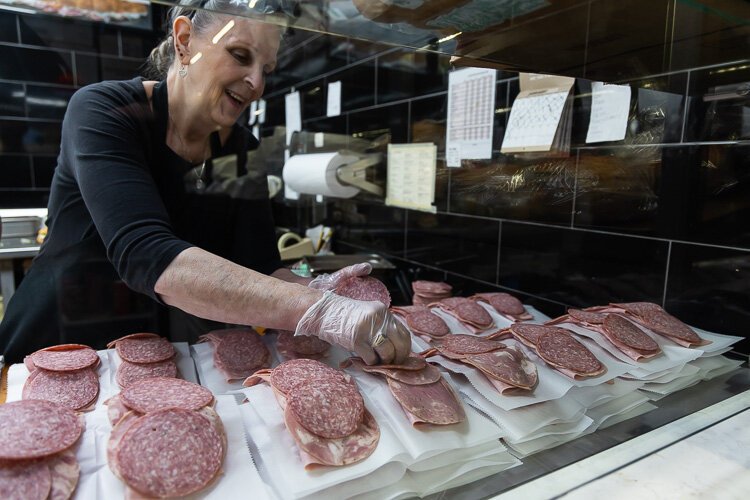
{"x": 116, "y": 409}
{"x": 144, "y": 349}
{"x": 157, "y": 393}
{"x": 25, "y": 480}
{"x": 239, "y": 353}
{"x": 505, "y": 304}
{"x": 568, "y": 356}
{"x": 169, "y": 453}
{"x": 301, "y": 344}
{"x": 127, "y": 373}
{"x": 73, "y": 390}
{"x": 467, "y": 311}
{"x": 40, "y": 429}
{"x": 435, "y": 403}
{"x": 287, "y": 375}
{"x": 468, "y": 344}
{"x": 424, "y": 322}
{"x": 328, "y": 408}
{"x": 587, "y": 317}
{"x": 65, "y": 472}
{"x": 431, "y": 287}
{"x": 529, "y": 333}
{"x": 659, "y": 321}
{"x": 509, "y": 365}
{"x": 427, "y": 375}
{"x": 62, "y": 358}
{"x": 628, "y": 337}
{"x": 364, "y": 288}
{"x": 316, "y": 450}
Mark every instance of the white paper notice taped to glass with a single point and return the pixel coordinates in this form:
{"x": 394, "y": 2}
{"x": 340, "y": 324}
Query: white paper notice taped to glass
{"x": 334, "y": 99}
{"x": 293, "y": 115}
{"x": 610, "y": 105}
{"x": 533, "y": 121}
{"x": 471, "y": 114}
{"x": 411, "y": 176}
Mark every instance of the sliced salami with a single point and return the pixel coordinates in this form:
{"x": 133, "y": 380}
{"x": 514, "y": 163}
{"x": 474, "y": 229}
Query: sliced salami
{"x": 148, "y": 349}
{"x": 113, "y": 344}
{"x": 239, "y": 352}
{"x": 364, "y": 288}
{"x": 467, "y": 311}
{"x": 25, "y": 480}
{"x": 427, "y": 375}
{"x": 571, "y": 357}
{"x": 301, "y": 344}
{"x": 65, "y": 472}
{"x": 153, "y": 394}
{"x": 468, "y": 344}
{"x": 290, "y": 373}
{"x": 40, "y": 428}
{"x": 504, "y": 303}
{"x": 434, "y": 287}
{"x": 127, "y": 372}
{"x": 507, "y": 365}
{"x": 434, "y": 403}
{"x": 73, "y": 390}
{"x": 529, "y": 333}
{"x": 328, "y": 408}
{"x": 169, "y": 453}
{"x": 69, "y": 357}
{"x": 587, "y": 317}
{"x": 426, "y": 323}
{"x": 621, "y": 331}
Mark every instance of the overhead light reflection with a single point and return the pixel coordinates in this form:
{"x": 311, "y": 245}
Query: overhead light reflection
{"x": 195, "y": 58}
{"x": 449, "y": 37}
{"x": 223, "y": 31}
{"x": 251, "y": 3}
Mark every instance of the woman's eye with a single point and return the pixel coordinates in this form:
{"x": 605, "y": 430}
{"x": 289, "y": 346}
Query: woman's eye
{"x": 240, "y": 57}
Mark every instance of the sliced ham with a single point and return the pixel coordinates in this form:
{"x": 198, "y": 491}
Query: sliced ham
{"x": 435, "y": 403}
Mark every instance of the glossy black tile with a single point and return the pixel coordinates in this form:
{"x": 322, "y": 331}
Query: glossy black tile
{"x": 357, "y": 86}
{"x": 709, "y": 288}
{"x": 313, "y": 99}
{"x": 461, "y": 245}
{"x": 15, "y": 171}
{"x": 428, "y": 119}
{"x": 384, "y": 121}
{"x": 12, "y": 99}
{"x": 8, "y": 29}
{"x": 371, "y": 226}
{"x": 23, "y": 198}
{"x": 407, "y": 73}
{"x": 657, "y": 110}
{"x": 581, "y": 268}
{"x": 334, "y": 136}
{"x": 47, "y": 102}
{"x": 275, "y": 111}
{"x": 719, "y": 103}
{"x": 92, "y": 69}
{"x": 44, "y": 169}
{"x": 61, "y": 33}
{"x": 324, "y": 54}
{"x": 29, "y": 137}
{"x": 48, "y": 66}
{"x": 138, "y": 43}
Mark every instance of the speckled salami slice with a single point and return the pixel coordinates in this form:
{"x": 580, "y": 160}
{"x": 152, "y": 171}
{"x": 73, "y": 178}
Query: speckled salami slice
{"x": 144, "y": 349}
{"x": 329, "y": 408}
{"x": 25, "y": 480}
{"x": 434, "y": 287}
{"x": 40, "y": 428}
{"x": 127, "y": 373}
{"x": 562, "y": 351}
{"x": 587, "y": 317}
{"x": 508, "y": 365}
{"x": 503, "y": 302}
{"x": 148, "y": 395}
{"x": 427, "y": 323}
{"x": 169, "y": 453}
{"x": 290, "y": 373}
{"x": 65, "y": 472}
{"x": 364, "y": 288}
{"x": 434, "y": 403}
{"x": 68, "y": 357}
{"x": 621, "y": 331}
{"x": 468, "y": 311}
{"x": 73, "y": 390}
{"x": 427, "y": 375}
{"x": 301, "y": 344}
{"x": 529, "y": 333}
{"x": 239, "y": 353}
{"x": 113, "y": 343}
{"x": 468, "y": 344}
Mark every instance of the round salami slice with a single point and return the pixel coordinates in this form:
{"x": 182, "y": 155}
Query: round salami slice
{"x": 665, "y": 324}
{"x": 562, "y": 350}
{"x": 73, "y": 390}
{"x": 169, "y": 453}
{"x": 426, "y": 322}
{"x": 127, "y": 373}
{"x": 25, "y": 480}
{"x": 240, "y": 352}
{"x": 471, "y": 312}
{"x": 469, "y": 344}
{"x": 64, "y": 358}
{"x": 503, "y": 302}
{"x": 435, "y": 287}
{"x": 427, "y": 375}
{"x": 364, "y": 288}
{"x": 153, "y": 394}
{"x": 625, "y": 332}
{"x": 509, "y": 366}
{"x": 434, "y": 403}
{"x": 301, "y": 344}
{"x": 145, "y": 349}
{"x": 290, "y": 373}
{"x": 529, "y": 333}
{"x": 40, "y": 428}
{"x": 327, "y": 408}
{"x": 590, "y": 317}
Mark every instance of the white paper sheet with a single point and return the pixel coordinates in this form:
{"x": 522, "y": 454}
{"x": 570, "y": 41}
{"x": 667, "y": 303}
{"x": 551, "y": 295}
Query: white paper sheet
{"x": 617, "y": 406}
{"x": 411, "y": 176}
{"x": 253, "y": 114}
{"x": 471, "y": 114}
{"x": 293, "y": 114}
{"x": 636, "y": 411}
{"x": 557, "y": 436}
{"x": 333, "y": 101}
{"x": 533, "y": 121}
{"x": 610, "y": 105}
{"x": 261, "y": 111}
{"x": 713, "y": 366}
{"x": 593, "y": 396}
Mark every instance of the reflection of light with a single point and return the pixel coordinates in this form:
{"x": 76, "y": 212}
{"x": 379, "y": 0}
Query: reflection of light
{"x": 449, "y": 37}
{"x": 60, "y": 103}
{"x": 17, "y": 93}
{"x": 195, "y": 58}
{"x": 17, "y": 9}
{"x": 732, "y": 68}
{"x": 315, "y": 91}
{"x": 251, "y": 3}
{"x": 260, "y": 111}
{"x": 223, "y": 31}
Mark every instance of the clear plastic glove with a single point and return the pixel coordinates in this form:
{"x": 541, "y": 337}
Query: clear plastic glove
{"x": 366, "y": 328}
{"x": 331, "y": 281}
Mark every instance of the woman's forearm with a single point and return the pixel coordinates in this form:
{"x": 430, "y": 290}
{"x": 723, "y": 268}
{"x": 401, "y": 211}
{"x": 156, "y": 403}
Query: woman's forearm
{"x": 205, "y": 285}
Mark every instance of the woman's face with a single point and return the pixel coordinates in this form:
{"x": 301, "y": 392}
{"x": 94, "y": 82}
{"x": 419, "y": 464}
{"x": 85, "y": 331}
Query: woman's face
{"x": 236, "y": 54}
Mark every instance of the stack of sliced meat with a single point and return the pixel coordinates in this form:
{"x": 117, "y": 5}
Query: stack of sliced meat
{"x": 468, "y": 312}
{"x": 323, "y": 411}
{"x": 238, "y": 352}
{"x": 557, "y": 348}
{"x": 421, "y": 321}
{"x": 171, "y": 443}
{"x": 364, "y": 288}
{"x": 506, "y": 367}
{"x": 143, "y": 355}
{"x": 37, "y": 460}
{"x": 64, "y": 374}
{"x": 424, "y": 395}
{"x": 427, "y": 292}
{"x": 290, "y": 346}
{"x": 656, "y": 319}
{"x": 623, "y": 334}
{"x": 505, "y": 304}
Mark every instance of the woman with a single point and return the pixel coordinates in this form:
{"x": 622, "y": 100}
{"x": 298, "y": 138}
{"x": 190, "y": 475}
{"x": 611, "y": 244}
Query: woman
{"x": 131, "y": 196}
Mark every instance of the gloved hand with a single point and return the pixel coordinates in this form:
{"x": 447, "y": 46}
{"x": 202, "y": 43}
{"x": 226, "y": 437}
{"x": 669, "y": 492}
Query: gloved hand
{"x": 331, "y": 281}
{"x": 366, "y": 328}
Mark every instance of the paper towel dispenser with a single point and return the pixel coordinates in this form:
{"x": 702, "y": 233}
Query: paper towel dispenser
{"x": 340, "y": 174}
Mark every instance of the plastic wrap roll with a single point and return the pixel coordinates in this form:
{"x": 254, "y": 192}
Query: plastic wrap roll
{"x": 316, "y": 174}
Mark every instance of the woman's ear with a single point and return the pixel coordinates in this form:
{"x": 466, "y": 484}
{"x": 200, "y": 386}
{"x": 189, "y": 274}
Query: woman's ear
{"x": 182, "y": 29}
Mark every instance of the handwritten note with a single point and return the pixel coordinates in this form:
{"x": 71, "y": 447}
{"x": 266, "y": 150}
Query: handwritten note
{"x": 610, "y": 105}
{"x": 411, "y": 176}
{"x": 293, "y": 115}
{"x": 334, "y": 99}
{"x": 471, "y": 114}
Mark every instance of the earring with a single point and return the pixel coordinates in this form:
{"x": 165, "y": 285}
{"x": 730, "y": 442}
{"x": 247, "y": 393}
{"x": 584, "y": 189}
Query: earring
{"x": 183, "y": 71}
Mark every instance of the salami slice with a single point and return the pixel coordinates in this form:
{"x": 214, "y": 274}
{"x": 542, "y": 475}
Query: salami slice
{"x": 425, "y": 322}
{"x": 562, "y": 351}
{"x": 621, "y": 331}
{"x": 113, "y": 344}
{"x": 168, "y": 453}
{"x": 587, "y": 317}
{"x": 127, "y": 373}
{"x": 65, "y": 472}
{"x": 69, "y": 357}
{"x": 427, "y": 375}
{"x": 144, "y": 349}
{"x": 40, "y": 428}
{"x": 435, "y": 287}
{"x": 364, "y": 288}
{"x": 290, "y": 373}
{"x": 153, "y": 394}
{"x": 653, "y": 317}
{"x": 468, "y": 344}
{"x": 434, "y": 403}
{"x": 25, "y": 480}
{"x": 529, "y": 333}
{"x": 73, "y": 390}
{"x": 301, "y": 344}
{"x": 504, "y": 303}
{"x": 239, "y": 353}
{"x": 327, "y": 408}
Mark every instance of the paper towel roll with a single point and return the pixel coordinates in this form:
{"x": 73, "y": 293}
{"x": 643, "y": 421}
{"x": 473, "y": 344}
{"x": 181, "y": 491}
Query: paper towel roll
{"x": 316, "y": 174}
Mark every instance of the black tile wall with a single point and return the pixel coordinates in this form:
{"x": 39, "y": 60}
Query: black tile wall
{"x": 372, "y": 226}
{"x": 92, "y": 69}
{"x": 70, "y": 34}
{"x": 357, "y": 86}
{"x": 405, "y": 74}
{"x": 15, "y": 171}
{"x": 376, "y": 122}
{"x": 12, "y": 99}
{"x": 48, "y": 66}
{"x": 44, "y": 169}
{"x": 47, "y": 102}
{"x": 8, "y": 28}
